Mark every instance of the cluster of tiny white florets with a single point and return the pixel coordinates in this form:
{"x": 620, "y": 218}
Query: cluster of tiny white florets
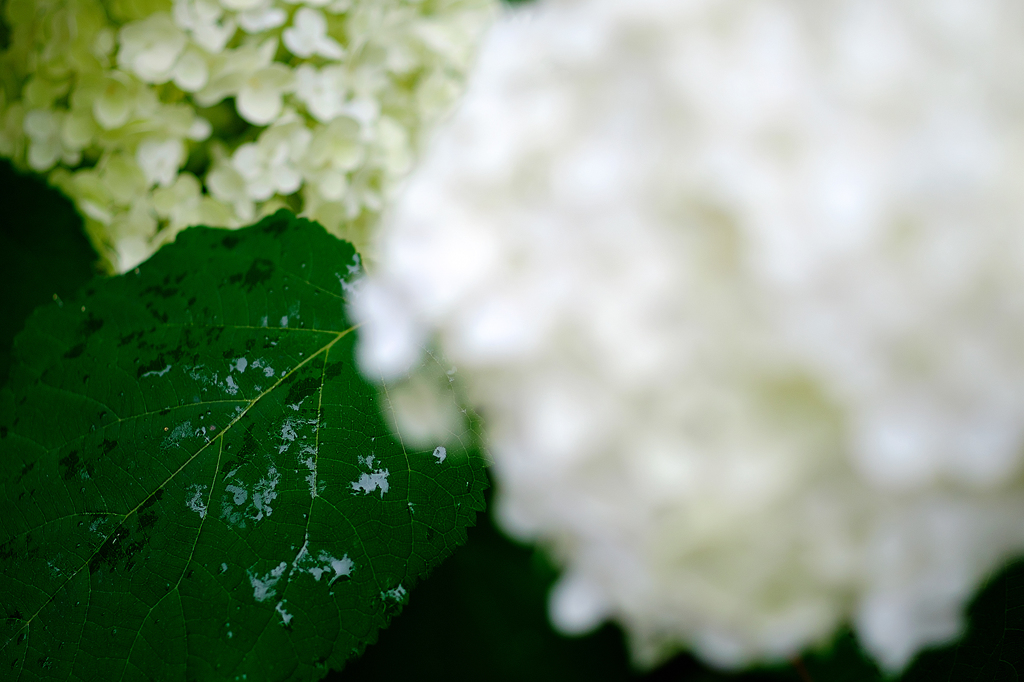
{"x": 127, "y": 104}
{"x": 737, "y": 286}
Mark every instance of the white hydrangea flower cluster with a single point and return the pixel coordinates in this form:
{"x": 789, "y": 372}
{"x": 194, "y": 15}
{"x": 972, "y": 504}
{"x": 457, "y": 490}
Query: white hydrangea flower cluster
{"x": 736, "y": 285}
{"x": 153, "y": 115}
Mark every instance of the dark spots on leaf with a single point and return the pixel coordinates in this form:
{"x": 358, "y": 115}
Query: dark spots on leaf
{"x": 179, "y": 278}
{"x": 276, "y": 227}
{"x": 152, "y": 499}
{"x": 119, "y": 547}
{"x": 334, "y": 370}
{"x": 157, "y": 314}
{"x": 230, "y": 242}
{"x": 249, "y": 445}
{"x": 161, "y": 291}
{"x": 14, "y": 616}
{"x": 22, "y": 637}
{"x": 147, "y": 520}
{"x": 123, "y": 544}
{"x": 341, "y": 578}
{"x": 128, "y": 338}
{"x": 91, "y": 325}
{"x": 75, "y": 351}
{"x": 156, "y": 365}
{"x": 3, "y": 432}
{"x": 301, "y": 389}
{"x": 164, "y": 412}
{"x": 235, "y": 279}
{"x": 71, "y": 465}
{"x": 85, "y": 378}
{"x": 259, "y": 272}
{"x": 250, "y": 344}
{"x": 191, "y": 301}
{"x": 108, "y": 445}
{"x": 430, "y": 534}
{"x": 191, "y": 572}
{"x": 25, "y": 471}
{"x": 31, "y": 550}
{"x": 213, "y": 334}
{"x": 7, "y": 550}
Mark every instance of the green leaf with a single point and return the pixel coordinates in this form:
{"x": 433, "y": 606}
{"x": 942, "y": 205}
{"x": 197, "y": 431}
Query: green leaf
{"x": 198, "y": 484}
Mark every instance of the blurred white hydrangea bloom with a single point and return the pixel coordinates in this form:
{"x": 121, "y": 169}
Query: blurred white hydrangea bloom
{"x": 127, "y": 105}
{"x": 738, "y": 287}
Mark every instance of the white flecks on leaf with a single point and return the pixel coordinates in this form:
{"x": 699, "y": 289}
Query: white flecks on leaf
{"x": 440, "y": 453}
{"x": 263, "y": 588}
{"x": 372, "y": 481}
{"x": 286, "y": 617}
{"x": 310, "y": 463}
{"x": 264, "y": 493}
{"x": 355, "y": 267}
{"x": 239, "y": 365}
{"x": 342, "y": 567}
{"x": 288, "y": 435}
{"x": 180, "y": 431}
{"x": 284, "y": 321}
{"x": 240, "y": 494}
{"x": 196, "y": 502}
{"x": 322, "y": 564}
{"x": 397, "y": 594}
{"x": 232, "y": 387}
{"x": 155, "y": 373}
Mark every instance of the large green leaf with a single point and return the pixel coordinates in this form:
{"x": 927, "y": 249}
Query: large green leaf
{"x": 197, "y": 482}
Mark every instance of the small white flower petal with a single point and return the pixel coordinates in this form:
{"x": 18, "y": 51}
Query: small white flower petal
{"x": 329, "y": 48}
{"x": 308, "y": 29}
{"x": 262, "y": 19}
{"x": 191, "y": 73}
{"x": 199, "y": 130}
{"x": 160, "y": 160}
{"x": 150, "y": 47}
{"x": 242, "y": 5}
{"x": 260, "y": 98}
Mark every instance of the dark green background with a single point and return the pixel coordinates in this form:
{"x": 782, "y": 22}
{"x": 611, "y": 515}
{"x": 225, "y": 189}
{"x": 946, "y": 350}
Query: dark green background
{"x": 481, "y": 615}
